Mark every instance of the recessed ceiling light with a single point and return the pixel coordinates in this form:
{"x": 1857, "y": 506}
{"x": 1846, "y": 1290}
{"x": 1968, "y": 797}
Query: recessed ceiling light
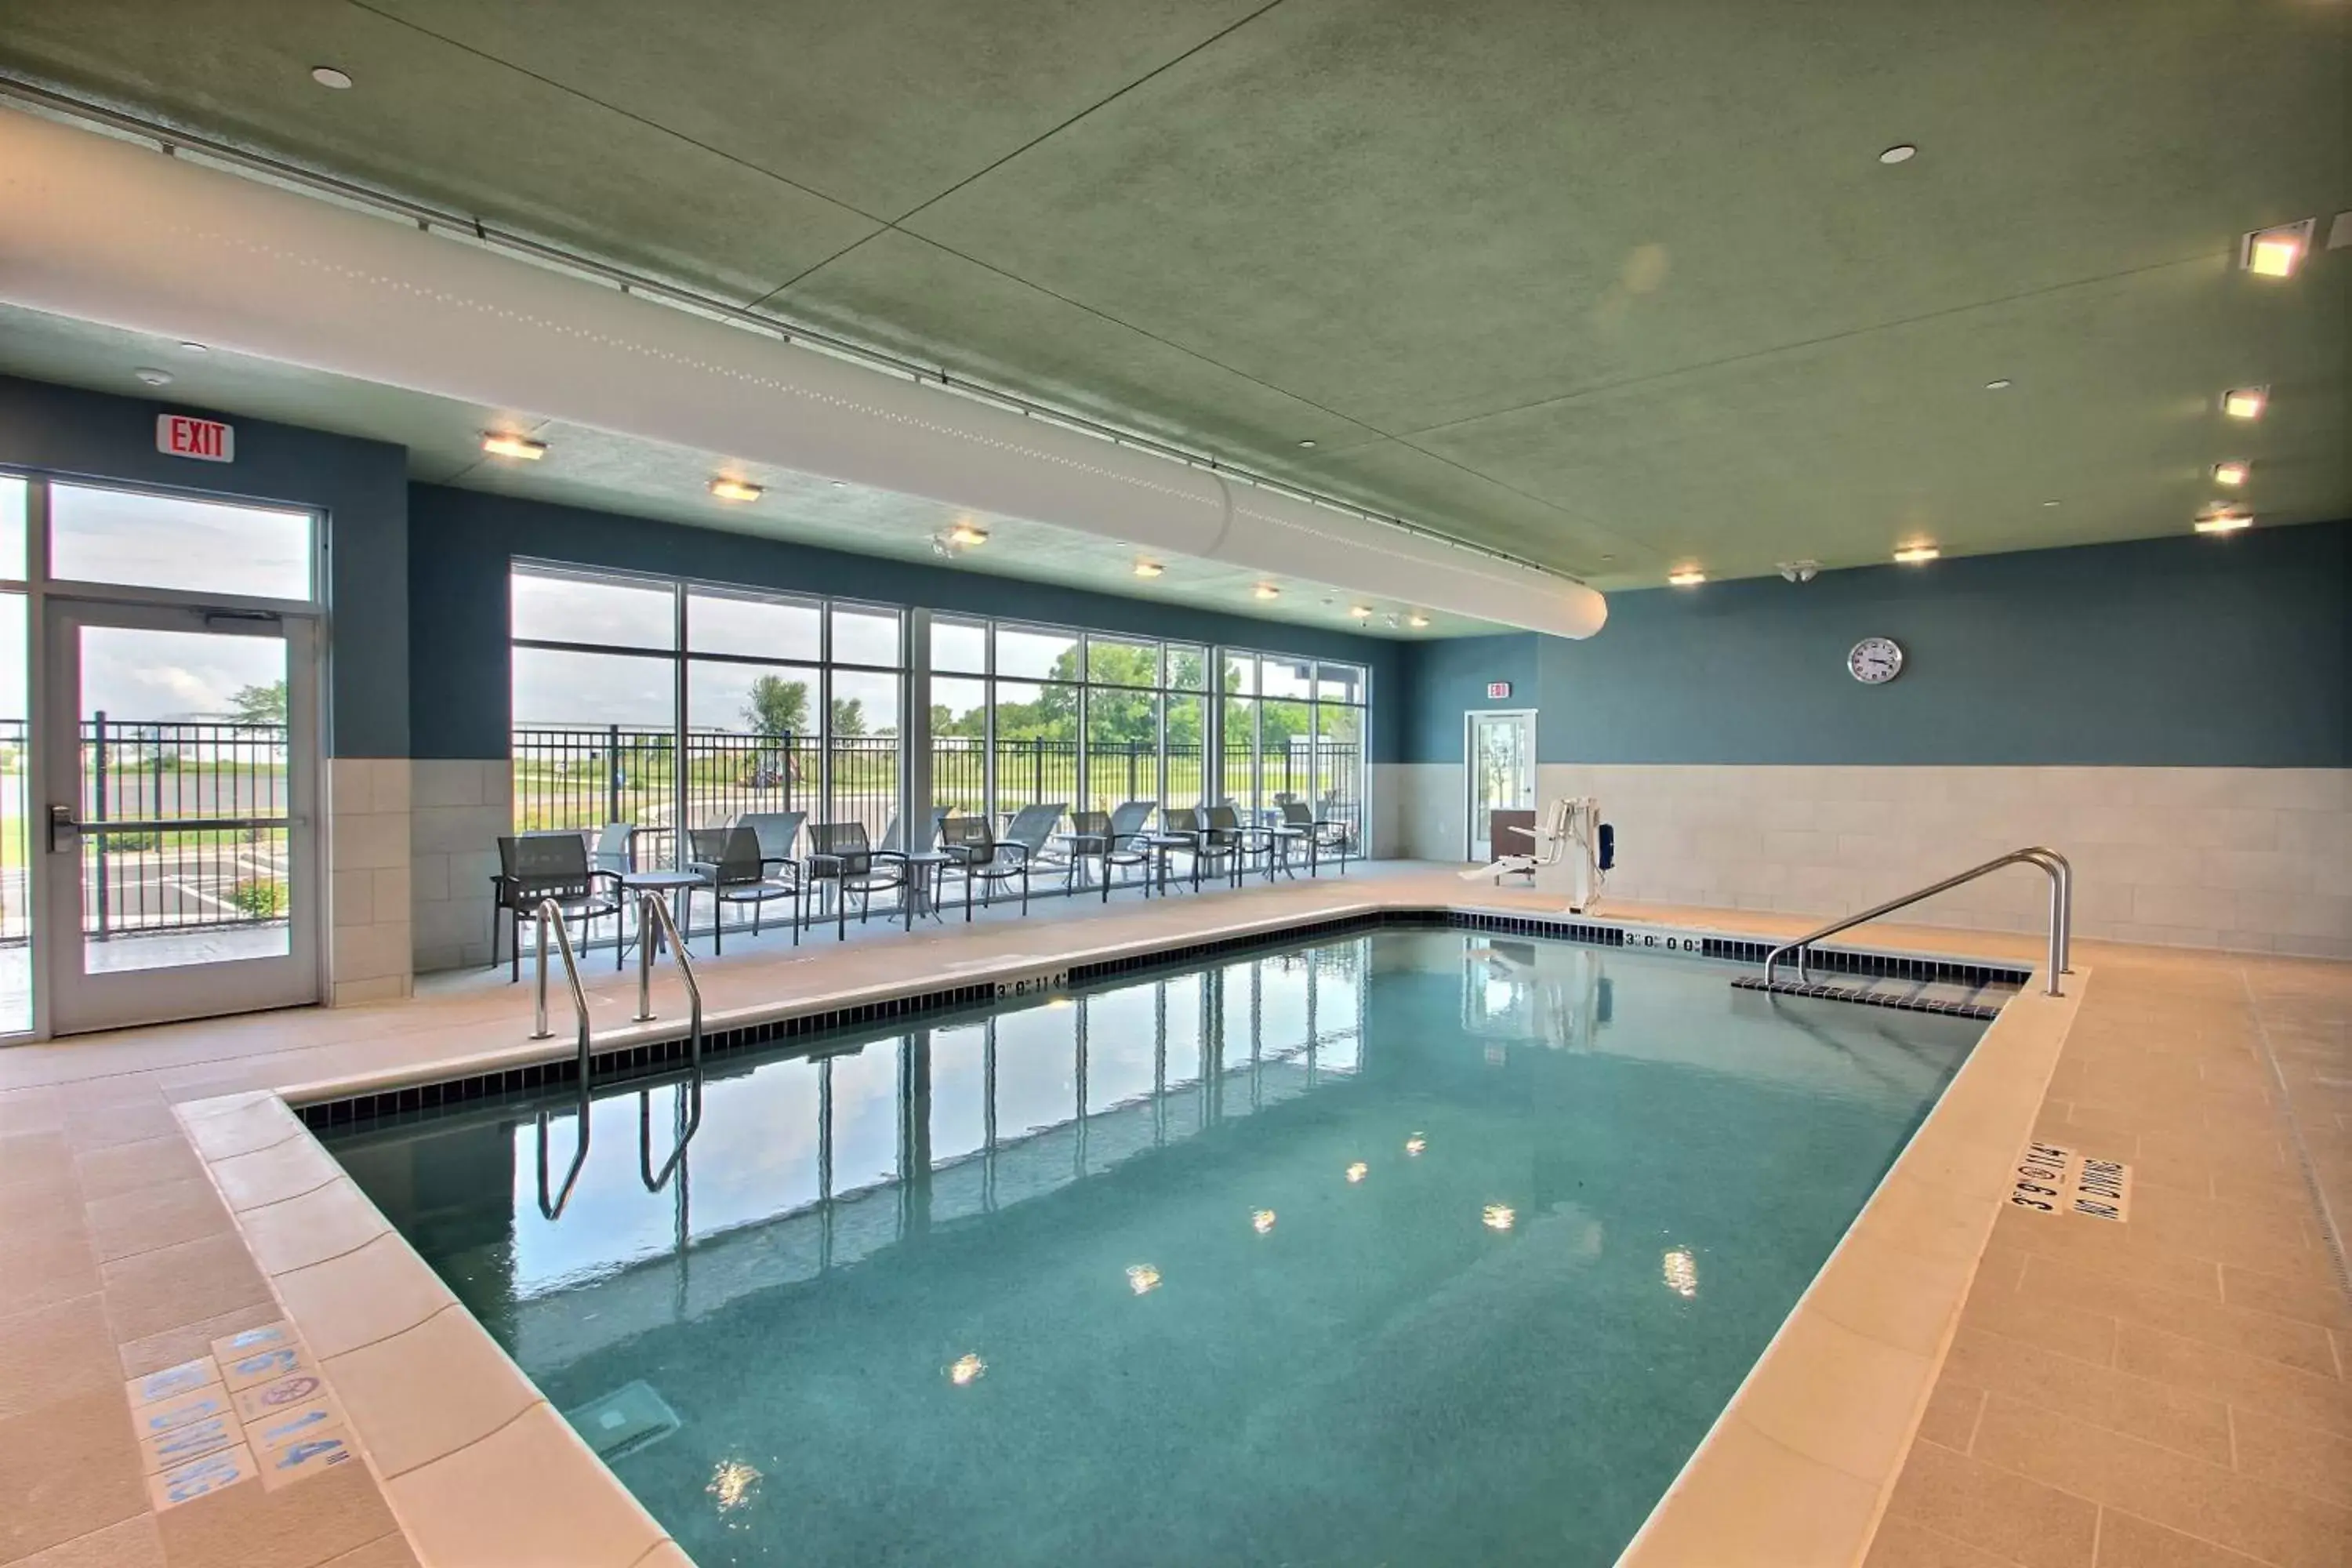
{"x": 1361, "y": 612}
{"x": 151, "y": 376}
{"x": 2245, "y": 401}
{"x": 967, "y": 534}
{"x": 2231, "y": 473}
{"x": 840, "y": 484}
{"x": 1688, "y": 577}
{"x": 1912, "y": 554}
{"x": 1149, "y": 569}
{"x": 735, "y": 489}
{"x": 2224, "y": 521}
{"x": 2050, "y": 503}
{"x": 1998, "y": 383}
{"x": 502, "y": 445}
{"x": 1309, "y": 442}
{"x": 1416, "y": 621}
{"x": 1265, "y": 591}
{"x": 1608, "y": 558}
{"x": 195, "y": 349}
{"x": 328, "y": 76}
{"x": 1901, "y": 152}
{"x": 2276, "y": 252}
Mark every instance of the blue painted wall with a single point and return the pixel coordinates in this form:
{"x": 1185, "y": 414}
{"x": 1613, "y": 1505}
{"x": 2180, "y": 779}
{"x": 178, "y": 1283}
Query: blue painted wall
{"x": 363, "y": 487}
{"x": 1445, "y": 679}
{"x": 2183, "y": 651}
{"x": 463, "y": 540}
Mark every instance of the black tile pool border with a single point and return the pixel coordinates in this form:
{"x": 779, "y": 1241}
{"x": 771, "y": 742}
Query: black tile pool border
{"x": 656, "y": 1057}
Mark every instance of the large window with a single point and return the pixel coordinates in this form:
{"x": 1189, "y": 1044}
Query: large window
{"x": 655, "y": 703}
{"x": 1026, "y": 715}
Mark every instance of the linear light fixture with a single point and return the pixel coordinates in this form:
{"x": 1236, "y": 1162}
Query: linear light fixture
{"x": 2232, "y": 472}
{"x": 2276, "y": 252}
{"x": 1913, "y": 554}
{"x": 735, "y": 489}
{"x": 498, "y": 445}
{"x": 2224, "y": 521}
{"x": 1688, "y": 577}
{"x": 2245, "y": 401}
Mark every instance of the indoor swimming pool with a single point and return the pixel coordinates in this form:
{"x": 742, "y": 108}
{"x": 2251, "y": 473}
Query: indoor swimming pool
{"x": 1419, "y": 1245}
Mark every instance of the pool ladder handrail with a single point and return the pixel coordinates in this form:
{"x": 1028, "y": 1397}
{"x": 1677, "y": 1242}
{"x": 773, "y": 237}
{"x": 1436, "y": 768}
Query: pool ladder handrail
{"x": 2062, "y": 913}
{"x": 655, "y": 923}
{"x": 550, "y": 914}
{"x": 653, "y": 919}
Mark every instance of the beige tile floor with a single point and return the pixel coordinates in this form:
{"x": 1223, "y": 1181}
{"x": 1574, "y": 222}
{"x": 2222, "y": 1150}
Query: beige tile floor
{"x": 2170, "y": 1391}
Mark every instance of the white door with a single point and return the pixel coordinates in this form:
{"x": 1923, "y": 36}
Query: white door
{"x": 179, "y": 821}
{"x": 1500, "y": 747}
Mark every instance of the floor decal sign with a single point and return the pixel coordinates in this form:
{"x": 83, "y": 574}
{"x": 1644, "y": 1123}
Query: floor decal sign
{"x": 2050, "y": 1179}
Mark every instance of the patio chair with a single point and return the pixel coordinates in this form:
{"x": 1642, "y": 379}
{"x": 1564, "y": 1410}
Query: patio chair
{"x": 977, "y": 855}
{"x": 1322, "y": 833}
{"x": 1097, "y": 838}
{"x": 1244, "y": 842}
{"x": 731, "y": 858}
{"x": 840, "y": 853}
{"x": 937, "y": 814}
{"x": 536, "y": 867}
{"x": 616, "y": 847}
{"x": 1032, "y": 827}
{"x": 779, "y": 832}
{"x": 1182, "y": 828}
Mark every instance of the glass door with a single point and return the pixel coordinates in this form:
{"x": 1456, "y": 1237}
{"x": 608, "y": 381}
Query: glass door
{"x": 178, "y": 819}
{"x": 1501, "y": 749}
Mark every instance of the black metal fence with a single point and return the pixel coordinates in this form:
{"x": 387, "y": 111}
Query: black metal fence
{"x": 585, "y": 778}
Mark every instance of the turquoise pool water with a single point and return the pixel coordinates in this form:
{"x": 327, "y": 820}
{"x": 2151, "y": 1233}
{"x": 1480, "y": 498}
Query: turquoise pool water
{"x": 1414, "y": 1248}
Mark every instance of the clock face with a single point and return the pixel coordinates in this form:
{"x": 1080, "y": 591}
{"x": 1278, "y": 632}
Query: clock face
{"x": 1875, "y": 661}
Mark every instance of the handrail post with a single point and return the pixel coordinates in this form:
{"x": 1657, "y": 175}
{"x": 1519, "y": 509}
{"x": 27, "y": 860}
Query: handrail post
{"x": 647, "y": 927}
{"x": 539, "y": 1029}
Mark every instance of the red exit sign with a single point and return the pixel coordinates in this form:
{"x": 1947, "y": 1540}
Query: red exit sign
{"x": 178, "y": 436}
{"x": 1498, "y": 690}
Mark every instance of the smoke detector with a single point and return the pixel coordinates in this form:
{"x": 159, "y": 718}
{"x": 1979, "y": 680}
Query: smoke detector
{"x": 1800, "y": 570}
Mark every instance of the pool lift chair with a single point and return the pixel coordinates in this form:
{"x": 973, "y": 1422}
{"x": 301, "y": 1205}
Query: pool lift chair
{"x": 1573, "y": 854}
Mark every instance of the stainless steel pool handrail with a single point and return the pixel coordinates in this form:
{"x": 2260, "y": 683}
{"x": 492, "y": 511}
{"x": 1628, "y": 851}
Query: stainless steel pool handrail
{"x": 655, "y": 923}
{"x": 551, "y": 913}
{"x": 2062, "y": 912}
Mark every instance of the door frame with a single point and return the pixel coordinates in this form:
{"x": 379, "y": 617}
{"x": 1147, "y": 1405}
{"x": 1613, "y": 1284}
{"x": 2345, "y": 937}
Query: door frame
{"x": 78, "y": 1002}
{"x": 1471, "y": 717}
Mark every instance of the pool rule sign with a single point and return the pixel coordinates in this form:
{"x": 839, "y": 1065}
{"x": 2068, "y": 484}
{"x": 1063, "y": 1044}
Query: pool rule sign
{"x": 2054, "y": 1180}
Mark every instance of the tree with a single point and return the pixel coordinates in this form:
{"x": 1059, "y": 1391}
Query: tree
{"x": 777, "y": 707}
{"x": 260, "y": 704}
{"x": 848, "y": 717}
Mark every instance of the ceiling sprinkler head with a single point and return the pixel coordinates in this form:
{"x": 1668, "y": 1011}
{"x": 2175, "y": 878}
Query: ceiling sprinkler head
{"x": 1800, "y": 570}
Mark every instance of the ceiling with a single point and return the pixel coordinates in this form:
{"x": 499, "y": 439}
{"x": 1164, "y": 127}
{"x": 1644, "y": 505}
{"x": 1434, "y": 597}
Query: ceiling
{"x": 1616, "y": 286}
{"x": 599, "y": 470}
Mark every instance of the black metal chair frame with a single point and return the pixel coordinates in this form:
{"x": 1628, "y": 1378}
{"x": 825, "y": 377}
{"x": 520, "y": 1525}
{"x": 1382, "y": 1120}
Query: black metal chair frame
{"x": 977, "y": 855}
{"x": 536, "y": 867}
{"x": 840, "y": 853}
{"x": 1094, "y": 838}
{"x": 737, "y": 872}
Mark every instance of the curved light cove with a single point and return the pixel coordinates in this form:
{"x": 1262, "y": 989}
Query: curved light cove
{"x": 108, "y": 231}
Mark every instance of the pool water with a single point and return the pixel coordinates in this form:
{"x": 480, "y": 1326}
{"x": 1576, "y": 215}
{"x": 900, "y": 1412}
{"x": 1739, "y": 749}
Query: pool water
{"x": 1420, "y": 1247}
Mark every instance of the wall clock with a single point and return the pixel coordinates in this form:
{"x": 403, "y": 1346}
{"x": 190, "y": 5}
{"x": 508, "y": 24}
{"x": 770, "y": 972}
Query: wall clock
{"x": 1875, "y": 661}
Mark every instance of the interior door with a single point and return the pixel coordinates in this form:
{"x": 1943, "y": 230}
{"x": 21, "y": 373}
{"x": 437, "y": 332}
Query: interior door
{"x": 179, "y": 821}
{"x": 1501, "y": 749}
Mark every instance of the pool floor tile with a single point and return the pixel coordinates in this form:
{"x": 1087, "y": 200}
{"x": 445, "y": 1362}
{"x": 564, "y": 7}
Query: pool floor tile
{"x": 249, "y": 1526}
{"x": 133, "y": 1543}
{"x": 66, "y": 1468}
{"x": 2101, "y": 1396}
{"x": 125, "y": 1167}
{"x": 174, "y": 1286}
{"x": 1901, "y": 1543}
{"x": 170, "y": 1346}
{"x": 53, "y": 1353}
{"x": 1994, "y": 1509}
{"x": 2301, "y": 1458}
{"x": 2126, "y": 1541}
{"x": 162, "y": 1215}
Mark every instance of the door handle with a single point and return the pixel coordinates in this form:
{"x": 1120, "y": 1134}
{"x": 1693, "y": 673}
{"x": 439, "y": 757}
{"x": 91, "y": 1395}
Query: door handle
{"x": 63, "y": 828}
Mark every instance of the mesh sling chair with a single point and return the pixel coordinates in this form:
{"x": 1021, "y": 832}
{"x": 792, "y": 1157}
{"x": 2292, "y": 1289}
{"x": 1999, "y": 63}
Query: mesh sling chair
{"x": 1183, "y": 828}
{"x": 977, "y": 855}
{"x": 536, "y": 867}
{"x": 1246, "y": 842}
{"x": 1322, "y": 833}
{"x": 1097, "y": 838}
{"x": 731, "y": 859}
{"x": 839, "y": 853}
{"x": 779, "y": 832}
